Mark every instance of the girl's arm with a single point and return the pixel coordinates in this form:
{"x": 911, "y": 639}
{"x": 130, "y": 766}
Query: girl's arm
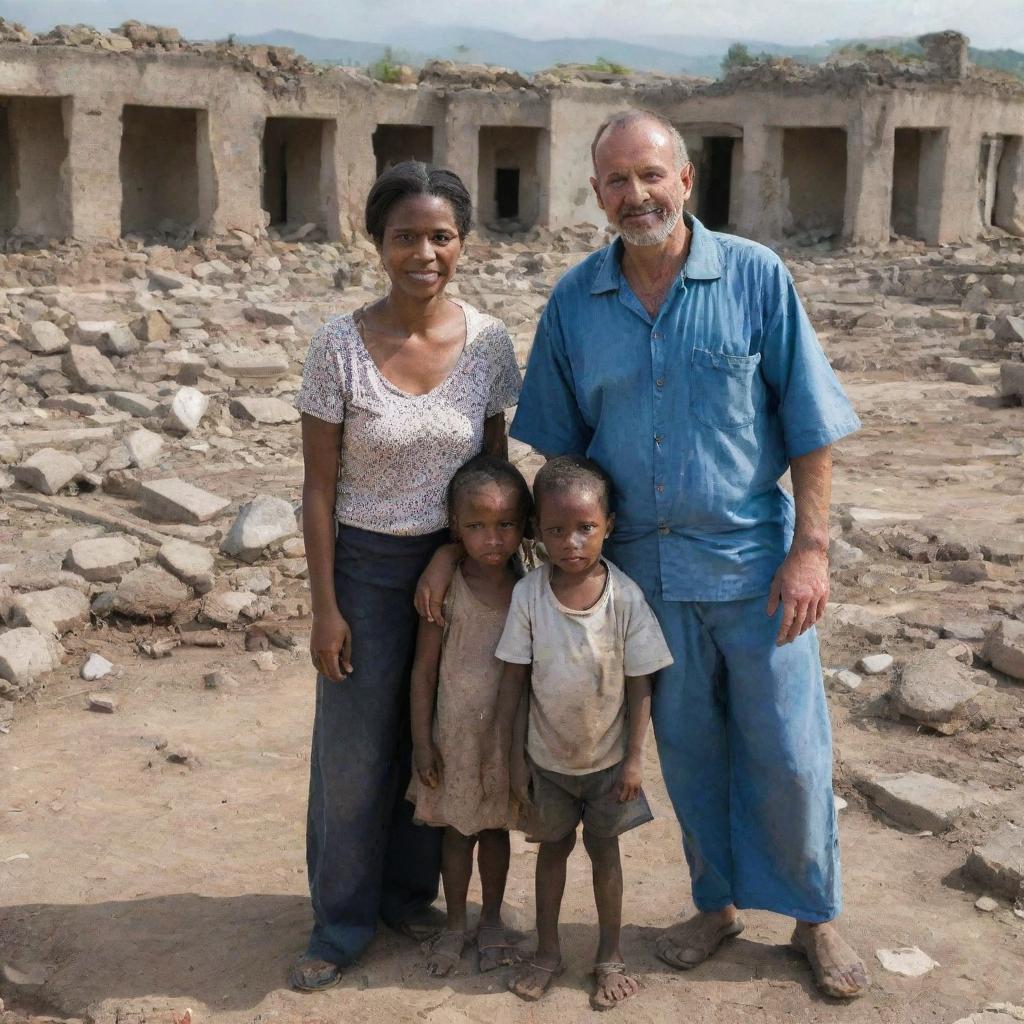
{"x": 425, "y": 668}
{"x": 638, "y": 708}
{"x": 330, "y": 642}
{"x": 518, "y": 772}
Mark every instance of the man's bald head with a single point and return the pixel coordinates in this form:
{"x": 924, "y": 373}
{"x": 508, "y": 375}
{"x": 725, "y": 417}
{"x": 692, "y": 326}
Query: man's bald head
{"x": 628, "y": 118}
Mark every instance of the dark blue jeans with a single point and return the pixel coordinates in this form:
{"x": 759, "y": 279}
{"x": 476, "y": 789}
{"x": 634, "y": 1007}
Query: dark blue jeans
{"x": 366, "y": 859}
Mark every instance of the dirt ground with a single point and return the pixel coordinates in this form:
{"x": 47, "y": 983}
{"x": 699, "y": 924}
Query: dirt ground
{"x": 132, "y": 888}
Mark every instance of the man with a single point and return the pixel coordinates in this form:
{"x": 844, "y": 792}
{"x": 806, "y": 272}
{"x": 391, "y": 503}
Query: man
{"x": 683, "y": 363}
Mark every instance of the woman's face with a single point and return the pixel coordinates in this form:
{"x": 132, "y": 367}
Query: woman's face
{"x": 421, "y": 246}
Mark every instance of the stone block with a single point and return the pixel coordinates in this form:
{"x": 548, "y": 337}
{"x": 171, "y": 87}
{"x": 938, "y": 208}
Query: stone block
{"x": 26, "y": 653}
{"x": 44, "y": 338}
{"x": 934, "y": 689}
{"x": 52, "y": 611}
{"x": 223, "y": 607}
{"x": 89, "y": 369}
{"x": 144, "y": 448}
{"x": 152, "y": 326}
{"x": 921, "y": 801}
{"x": 103, "y": 559}
{"x": 264, "y": 366}
{"x": 150, "y": 592}
{"x": 166, "y": 280}
{"x": 998, "y": 864}
{"x": 136, "y": 405}
{"x": 263, "y": 409}
{"x": 187, "y": 409}
{"x": 1011, "y": 380}
{"x": 48, "y": 471}
{"x": 1004, "y": 648}
{"x": 272, "y": 316}
{"x": 262, "y": 521}
{"x": 108, "y": 336}
{"x": 191, "y": 563}
{"x": 175, "y": 501}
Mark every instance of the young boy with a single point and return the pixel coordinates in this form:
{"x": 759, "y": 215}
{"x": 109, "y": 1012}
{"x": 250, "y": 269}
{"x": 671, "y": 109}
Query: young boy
{"x": 581, "y": 636}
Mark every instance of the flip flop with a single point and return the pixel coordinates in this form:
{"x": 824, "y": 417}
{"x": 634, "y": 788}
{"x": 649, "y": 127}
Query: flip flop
{"x": 827, "y": 978}
{"x": 311, "y": 974}
{"x": 445, "y": 952}
{"x": 703, "y": 941}
{"x": 551, "y": 972}
{"x": 602, "y": 972}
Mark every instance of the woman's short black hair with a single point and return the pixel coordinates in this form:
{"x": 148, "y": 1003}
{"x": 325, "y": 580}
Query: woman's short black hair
{"x": 413, "y": 178}
{"x": 489, "y": 469}
{"x": 572, "y": 472}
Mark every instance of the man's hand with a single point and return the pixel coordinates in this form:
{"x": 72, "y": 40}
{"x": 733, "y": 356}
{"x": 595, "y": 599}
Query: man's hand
{"x": 435, "y": 581}
{"x": 801, "y": 586}
{"x": 631, "y": 778}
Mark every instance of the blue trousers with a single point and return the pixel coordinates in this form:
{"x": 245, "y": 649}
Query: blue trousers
{"x": 746, "y": 750}
{"x": 365, "y": 857}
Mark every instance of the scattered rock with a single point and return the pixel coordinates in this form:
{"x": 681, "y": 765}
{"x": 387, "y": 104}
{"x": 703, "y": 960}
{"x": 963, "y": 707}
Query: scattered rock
{"x": 103, "y": 559}
{"x": 875, "y": 664}
{"x": 174, "y": 501}
{"x": 95, "y": 667}
{"x": 25, "y": 654}
{"x": 265, "y": 661}
{"x": 998, "y": 864}
{"x": 180, "y": 753}
{"x": 1004, "y": 648}
{"x": 191, "y": 563}
{"x": 262, "y": 521}
{"x": 920, "y": 801}
{"x": 144, "y": 448}
{"x": 44, "y": 338}
{"x": 935, "y": 690}
{"x": 909, "y": 961}
{"x": 224, "y": 607}
{"x": 262, "y": 409}
{"x": 89, "y": 369}
{"x": 986, "y": 904}
{"x": 150, "y": 592}
{"x": 105, "y": 702}
{"x": 48, "y": 471}
{"x": 53, "y": 611}
{"x": 220, "y": 681}
{"x": 186, "y": 411}
{"x": 844, "y": 679}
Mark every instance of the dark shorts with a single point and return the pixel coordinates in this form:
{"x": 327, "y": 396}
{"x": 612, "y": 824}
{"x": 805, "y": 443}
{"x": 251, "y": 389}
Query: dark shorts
{"x": 561, "y": 802}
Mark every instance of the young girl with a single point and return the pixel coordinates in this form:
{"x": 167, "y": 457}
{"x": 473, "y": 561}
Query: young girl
{"x": 460, "y": 782}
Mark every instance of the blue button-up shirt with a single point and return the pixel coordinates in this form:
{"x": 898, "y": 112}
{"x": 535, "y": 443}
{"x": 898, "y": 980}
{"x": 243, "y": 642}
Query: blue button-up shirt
{"x": 695, "y": 413}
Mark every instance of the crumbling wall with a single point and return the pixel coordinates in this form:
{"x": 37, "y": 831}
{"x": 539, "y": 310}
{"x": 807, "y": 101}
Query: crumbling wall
{"x": 394, "y": 143}
{"x": 814, "y": 172}
{"x": 509, "y": 180}
{"x": 1008, "y": 208}
{"x": 293, "y": 170}
{"x": 159, "y": 169}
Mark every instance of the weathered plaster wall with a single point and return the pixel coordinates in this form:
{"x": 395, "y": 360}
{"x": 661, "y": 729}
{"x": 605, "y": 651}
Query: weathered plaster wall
{"x": 814, "y": 176}
{"x": 516, "y": 149}
{"x": 293, "y": 170}
{"x": 393, "y": 143}
{"x": 8, "y": 206}
{"x": 36, "y": 155}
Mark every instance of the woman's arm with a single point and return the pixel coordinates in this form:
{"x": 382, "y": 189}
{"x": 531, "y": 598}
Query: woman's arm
{"x": 423, "y": 695}
{"x": 330, "y": 642}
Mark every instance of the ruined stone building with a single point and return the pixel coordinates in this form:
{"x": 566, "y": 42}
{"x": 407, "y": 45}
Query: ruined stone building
{"x": 133, "y": 132}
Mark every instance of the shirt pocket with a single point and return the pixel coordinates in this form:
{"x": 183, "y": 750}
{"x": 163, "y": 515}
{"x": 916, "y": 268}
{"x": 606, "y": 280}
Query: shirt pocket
{"x": 725, "y": 390}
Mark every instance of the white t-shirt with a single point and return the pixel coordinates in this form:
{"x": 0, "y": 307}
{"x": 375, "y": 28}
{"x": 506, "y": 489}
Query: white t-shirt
{"x": 580, "y": 662}
{"x": 398, "y": 451}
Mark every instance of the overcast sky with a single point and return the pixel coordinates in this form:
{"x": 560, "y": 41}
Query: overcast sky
{"x": 989, "y": 23}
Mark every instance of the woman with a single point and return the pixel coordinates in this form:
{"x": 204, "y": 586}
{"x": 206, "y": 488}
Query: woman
{"x": 394, "y": 397}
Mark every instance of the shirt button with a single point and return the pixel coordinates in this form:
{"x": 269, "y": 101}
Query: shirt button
{"x": 661, "y": 488}
{"x": 657, "y": 438}
{"x": 656, "y": 335}
{"x": 659, "y": 383}
{"x": 663, "y": 530}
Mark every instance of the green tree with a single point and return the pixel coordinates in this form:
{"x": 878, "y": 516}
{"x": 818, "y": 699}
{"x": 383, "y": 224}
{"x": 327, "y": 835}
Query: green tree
{"x": 737, "y": 56}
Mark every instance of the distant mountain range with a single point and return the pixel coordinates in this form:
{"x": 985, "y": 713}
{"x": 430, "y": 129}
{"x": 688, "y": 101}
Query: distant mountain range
{"x": 698, "y": 55}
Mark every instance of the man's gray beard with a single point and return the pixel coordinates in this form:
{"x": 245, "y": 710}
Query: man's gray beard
{"x": 655, "y": 236}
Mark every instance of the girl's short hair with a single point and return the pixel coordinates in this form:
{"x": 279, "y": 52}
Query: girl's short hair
{"x": 571, "y": 472}
{"x": 489, "y": 469}
{"x": 413, "y": 178}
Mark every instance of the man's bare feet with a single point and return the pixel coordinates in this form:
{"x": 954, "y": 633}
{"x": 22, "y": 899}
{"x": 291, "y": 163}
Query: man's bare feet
{"x": 838, "y": 970}
{"x": 493, "y": 947}
{"x": 445, "y": 952}
{"x": 534, "y": 978}
{"x": 691, "y": 942}
{"x": 613, "y": 985}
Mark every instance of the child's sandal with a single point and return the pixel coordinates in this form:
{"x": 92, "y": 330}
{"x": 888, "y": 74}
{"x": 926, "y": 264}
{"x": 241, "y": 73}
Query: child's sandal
{"x": 445, "y": 952}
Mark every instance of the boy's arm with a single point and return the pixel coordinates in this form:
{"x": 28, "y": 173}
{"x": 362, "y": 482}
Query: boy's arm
{"x": 518, "y": 773}
{"x": 423, "y": 693}
{"x": 638, "y": 706}
{"x": 511, "y": 695}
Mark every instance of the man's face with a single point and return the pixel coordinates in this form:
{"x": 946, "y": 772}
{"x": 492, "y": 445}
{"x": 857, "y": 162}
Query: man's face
{"x": 638, "y": 183}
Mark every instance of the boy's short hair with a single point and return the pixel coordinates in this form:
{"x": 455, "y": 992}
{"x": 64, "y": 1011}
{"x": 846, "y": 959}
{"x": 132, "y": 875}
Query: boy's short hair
{"x": 566, "y": 472}
{"x": 489, "y": 469}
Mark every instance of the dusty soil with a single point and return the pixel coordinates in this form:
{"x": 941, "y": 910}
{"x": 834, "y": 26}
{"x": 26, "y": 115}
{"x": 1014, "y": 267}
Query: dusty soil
{"x": 132, "y": 888}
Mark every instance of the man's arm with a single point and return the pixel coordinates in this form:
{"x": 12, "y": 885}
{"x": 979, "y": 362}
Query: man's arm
{"x": 801, "y": 583}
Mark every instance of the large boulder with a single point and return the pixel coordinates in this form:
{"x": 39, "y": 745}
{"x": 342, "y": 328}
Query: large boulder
{"x": 186, "y": 411}
{"x": 52, "y": 612}
{"x": 1004, "y": 648}
{"x": 25, "y": 653}
{"x": 174, "y": 501}
{"x": 150, "y": 592}
{"x": 103, "y": 559}
{"x": 262, "y": 521}
{"x": 934, "y": 689}
{"x": 48, "y": 470}
{"x": 998, "y": 864}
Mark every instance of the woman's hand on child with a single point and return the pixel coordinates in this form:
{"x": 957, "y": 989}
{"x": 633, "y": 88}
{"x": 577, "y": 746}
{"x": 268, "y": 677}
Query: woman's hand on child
{"x": 435, "y": 581}
{"x": 427, "y": 759}
{"x": 330, "y": 646}
{"x": 631, "y": 779}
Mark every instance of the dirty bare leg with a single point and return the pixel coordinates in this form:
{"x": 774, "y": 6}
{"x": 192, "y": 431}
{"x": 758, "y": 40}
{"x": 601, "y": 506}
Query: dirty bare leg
{"x": 531, "y": 981}
{"x": 456, "y": 870}
{"x": 493, "y": 855}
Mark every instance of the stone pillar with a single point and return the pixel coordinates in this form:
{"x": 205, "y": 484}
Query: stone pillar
{"x": 228, "y": 152}
{"x": 462, "y": 146}
{"x": 91, "y": 177}
{"x": 948, "y": 189}
{"x": 1008, "y": 212}
{"x": 869, "y": 147}
{"x": 760, "y": 210}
